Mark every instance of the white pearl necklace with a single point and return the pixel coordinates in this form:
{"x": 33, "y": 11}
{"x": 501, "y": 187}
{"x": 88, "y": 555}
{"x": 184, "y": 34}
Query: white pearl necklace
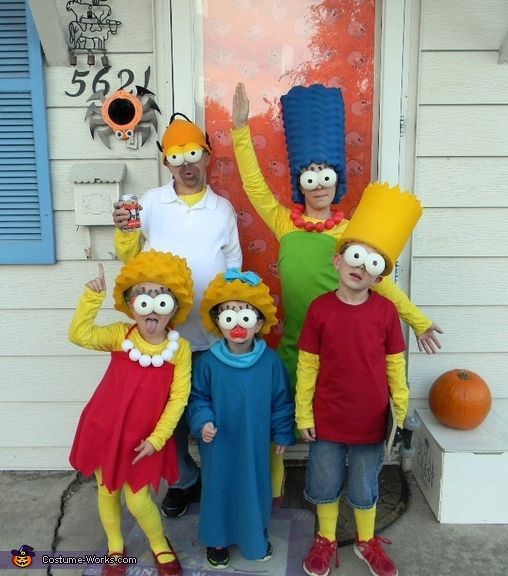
{"x": 156, "y": 360}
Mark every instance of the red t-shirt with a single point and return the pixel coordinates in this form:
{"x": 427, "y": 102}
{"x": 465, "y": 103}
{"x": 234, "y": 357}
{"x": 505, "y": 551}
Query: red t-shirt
{"x": 352, "y": 394}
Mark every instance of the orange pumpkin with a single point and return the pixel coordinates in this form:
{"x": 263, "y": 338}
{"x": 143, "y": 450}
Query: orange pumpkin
{"x": 460, "y": 399}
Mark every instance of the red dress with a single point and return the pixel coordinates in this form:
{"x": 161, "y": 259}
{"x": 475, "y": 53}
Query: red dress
{"x": 124, "y": 410}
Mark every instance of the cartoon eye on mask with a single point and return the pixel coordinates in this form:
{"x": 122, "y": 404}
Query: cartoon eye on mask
{"x": 178, "y": 158}
{"x": 375, "y": 264}
{"x": 143, "y": 305}
{"x": 327, "y": 177}
{"x": 227, "y": 319}
{"x": 247, "y": 318}
{"x": 355, "y": 255}
{"x": 193, "y": 156}
{"x": 175, "y": 159}
{"x": 309, "y": 180}
{"x": 163, "y": 304}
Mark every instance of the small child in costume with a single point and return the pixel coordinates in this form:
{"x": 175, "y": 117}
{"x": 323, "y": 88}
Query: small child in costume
{"x": 124, "y": 435}
{"x": 345, "y": 378}
{"x": 240, "y": 403}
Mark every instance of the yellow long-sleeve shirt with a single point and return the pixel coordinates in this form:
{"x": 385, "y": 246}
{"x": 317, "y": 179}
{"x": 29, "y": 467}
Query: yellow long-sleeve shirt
{"x": 306, "y": 378}
{"x": 84, "y": 332}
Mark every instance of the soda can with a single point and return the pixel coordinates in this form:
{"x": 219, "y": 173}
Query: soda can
{"x": 130, "y": 203}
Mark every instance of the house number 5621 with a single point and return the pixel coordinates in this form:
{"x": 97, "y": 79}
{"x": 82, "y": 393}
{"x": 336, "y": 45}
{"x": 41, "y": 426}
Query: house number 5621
{"x": 101, "y": 82}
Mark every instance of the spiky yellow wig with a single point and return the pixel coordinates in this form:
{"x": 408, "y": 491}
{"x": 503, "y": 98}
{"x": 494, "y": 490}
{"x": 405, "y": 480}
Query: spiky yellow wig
{"x": 162, "y": 268}
{"x": 222, "y": 290}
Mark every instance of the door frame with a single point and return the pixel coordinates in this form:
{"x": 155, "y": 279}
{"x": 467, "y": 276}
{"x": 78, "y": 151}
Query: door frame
{"x": 397, "y": 46}
{"x": 184, "y": 91}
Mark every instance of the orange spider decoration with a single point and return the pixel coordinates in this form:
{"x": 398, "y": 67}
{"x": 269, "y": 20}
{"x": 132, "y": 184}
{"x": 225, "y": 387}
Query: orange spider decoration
{"x": 122, "y": 113}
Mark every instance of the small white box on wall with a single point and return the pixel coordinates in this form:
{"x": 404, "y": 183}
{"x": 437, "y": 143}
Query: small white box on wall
{"x": 463, "y": 474}
{"x": 96, "y": 187}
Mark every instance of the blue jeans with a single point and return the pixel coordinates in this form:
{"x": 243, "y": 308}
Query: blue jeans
{"x": 189, "y": 470}
{"x": 331, "y": 463}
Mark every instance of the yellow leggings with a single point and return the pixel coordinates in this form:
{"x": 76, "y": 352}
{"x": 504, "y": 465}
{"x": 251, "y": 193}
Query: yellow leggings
{"x": 141, "y": 506}
{"x": 277, "y": 473}
{"x": 328, "y": 515}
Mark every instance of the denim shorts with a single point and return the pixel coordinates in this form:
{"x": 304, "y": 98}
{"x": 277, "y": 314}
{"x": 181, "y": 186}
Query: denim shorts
{"x": 331, "y": 463}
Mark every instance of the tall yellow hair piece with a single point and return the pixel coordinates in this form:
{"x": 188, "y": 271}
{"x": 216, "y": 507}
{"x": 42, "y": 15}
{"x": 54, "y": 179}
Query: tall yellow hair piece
{"x": 162, "y": 268}
{"x": 384, "y": 220}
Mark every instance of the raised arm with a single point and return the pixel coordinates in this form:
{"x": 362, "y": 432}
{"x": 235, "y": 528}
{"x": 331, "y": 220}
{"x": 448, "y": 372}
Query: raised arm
{"x": 266, "y": 205}
{"x": 83, "y": 331}
{"x": 240, "y": 112}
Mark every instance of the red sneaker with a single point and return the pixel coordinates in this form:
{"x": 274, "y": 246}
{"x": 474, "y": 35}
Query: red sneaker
{"x": 380, "y": 564}
{"x": 317, "y": 561}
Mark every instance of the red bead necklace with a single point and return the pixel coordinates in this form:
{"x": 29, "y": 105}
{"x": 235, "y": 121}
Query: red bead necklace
{"x": 297, "y": 218}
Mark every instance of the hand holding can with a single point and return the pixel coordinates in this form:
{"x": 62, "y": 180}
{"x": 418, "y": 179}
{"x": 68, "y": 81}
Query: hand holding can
{"x": 131, "y": 206}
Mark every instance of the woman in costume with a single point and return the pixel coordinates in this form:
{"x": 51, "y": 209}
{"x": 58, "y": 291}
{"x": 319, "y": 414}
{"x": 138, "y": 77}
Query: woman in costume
{"x": 315, "y": 138}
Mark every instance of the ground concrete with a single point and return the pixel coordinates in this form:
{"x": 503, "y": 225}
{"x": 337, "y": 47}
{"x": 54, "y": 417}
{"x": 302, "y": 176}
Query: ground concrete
{"x": 49, "y": 510}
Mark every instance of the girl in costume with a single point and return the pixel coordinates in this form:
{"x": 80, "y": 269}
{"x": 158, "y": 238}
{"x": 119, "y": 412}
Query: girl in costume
{"x": 315, "y": 137}
{"x": 124, "y": 435}
{"x": 240, "y": 402}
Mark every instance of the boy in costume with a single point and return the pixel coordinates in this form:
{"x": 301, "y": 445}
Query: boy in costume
{"x": 240, "y": 402}
{"x": 315, "y": 137}
{"x": 346, "y": 378}
{"x": 125, "y": 433}
{"x": 187, "y": 218}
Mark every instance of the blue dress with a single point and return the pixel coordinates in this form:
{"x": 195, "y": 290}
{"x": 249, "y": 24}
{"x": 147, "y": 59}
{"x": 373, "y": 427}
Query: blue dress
{"x": 248, "y": 399}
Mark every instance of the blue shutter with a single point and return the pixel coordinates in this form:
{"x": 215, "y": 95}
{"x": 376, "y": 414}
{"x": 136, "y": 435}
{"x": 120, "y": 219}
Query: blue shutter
{"x": 26, "y": 213}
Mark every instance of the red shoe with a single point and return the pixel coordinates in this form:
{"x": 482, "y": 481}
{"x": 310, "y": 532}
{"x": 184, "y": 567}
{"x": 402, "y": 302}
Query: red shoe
{"x": 317, "y": 561}
{"x": 115, "y": 569}
{"x": 171, "y": 568}
{"x": 380, "y": 564}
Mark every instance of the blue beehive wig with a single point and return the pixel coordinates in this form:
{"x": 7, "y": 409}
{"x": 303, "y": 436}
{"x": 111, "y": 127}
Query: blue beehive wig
{"x": 315, "y": 132}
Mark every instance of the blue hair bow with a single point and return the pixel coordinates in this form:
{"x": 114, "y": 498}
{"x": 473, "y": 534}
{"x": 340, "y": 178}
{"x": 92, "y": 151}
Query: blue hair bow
{"x": 248, "y": 277}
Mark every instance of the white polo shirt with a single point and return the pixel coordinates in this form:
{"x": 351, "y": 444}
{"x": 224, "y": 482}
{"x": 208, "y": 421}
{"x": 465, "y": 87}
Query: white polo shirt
{"x": 205, "y": 234}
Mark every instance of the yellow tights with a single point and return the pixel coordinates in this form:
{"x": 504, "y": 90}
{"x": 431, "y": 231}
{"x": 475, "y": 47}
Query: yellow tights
{"x": 142, "y": 507}
{"x": 365, "y": 521}
{"x": 328, "y": 515}
{"x": 277, "y": 473}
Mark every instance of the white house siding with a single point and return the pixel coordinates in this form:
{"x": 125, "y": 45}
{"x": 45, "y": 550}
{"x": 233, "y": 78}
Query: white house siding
{"x": 45, "y": 380}
{"x": 460, "y": 248}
